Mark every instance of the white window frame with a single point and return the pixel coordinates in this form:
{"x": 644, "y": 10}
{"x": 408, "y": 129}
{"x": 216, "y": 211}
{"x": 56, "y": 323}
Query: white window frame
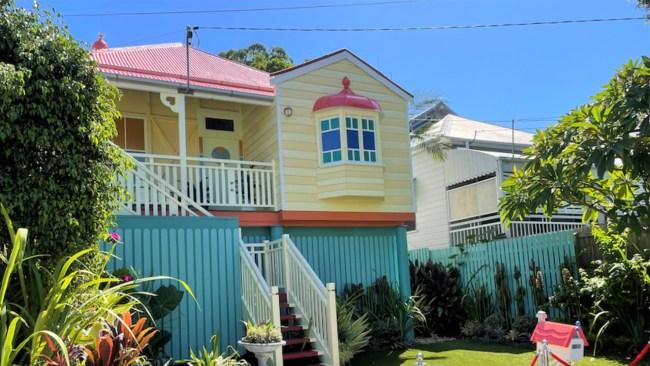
{"x": 342, "y": 114}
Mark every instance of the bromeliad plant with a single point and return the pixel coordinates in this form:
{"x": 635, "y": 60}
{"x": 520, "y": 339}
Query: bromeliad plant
{"x": 262, "y": 333}
{"x": 213, "y": 357}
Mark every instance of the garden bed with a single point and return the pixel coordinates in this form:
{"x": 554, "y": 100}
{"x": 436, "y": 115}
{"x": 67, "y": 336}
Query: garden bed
{"x": 466, "y": 353}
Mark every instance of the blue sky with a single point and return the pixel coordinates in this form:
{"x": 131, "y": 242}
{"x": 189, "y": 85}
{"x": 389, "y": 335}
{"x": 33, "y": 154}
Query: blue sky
{"x": 488, "y": 74}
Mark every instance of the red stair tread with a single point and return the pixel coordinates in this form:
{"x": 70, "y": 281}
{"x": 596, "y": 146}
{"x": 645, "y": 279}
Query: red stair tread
{"x": 295, "y": 341}
{"x": 289, "y": 328}
{"x": 288, "y": 317}
{"x": 297, "y": 355}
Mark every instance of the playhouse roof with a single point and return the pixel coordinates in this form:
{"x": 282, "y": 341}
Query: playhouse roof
{"x": 346, "y": 98}
{"x": 166, "y": 63}
{"x": 557, "y": 334}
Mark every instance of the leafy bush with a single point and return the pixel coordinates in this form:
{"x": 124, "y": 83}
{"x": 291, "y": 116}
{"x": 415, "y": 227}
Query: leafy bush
{"x": 157, "y": 304}
{"x": 354, "y": 330}
{"x": 262, "y": 333}
{"x": 522, "y": 329}
{"x": 214, "y": 357}
{"x": 441, "y": 297}
{"x": 503, "y": 293}
{"x": 391, "y": 318}
{"x": 472, "y": 329}
{"x": 57, "y": 116}
{"x": 494, "y": 327}
{"x": 38, "y": 322}
{"x": 478, "y": 304}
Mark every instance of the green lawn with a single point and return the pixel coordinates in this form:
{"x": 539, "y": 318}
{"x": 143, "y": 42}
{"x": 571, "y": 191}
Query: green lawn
{"x": 465, "y": 353}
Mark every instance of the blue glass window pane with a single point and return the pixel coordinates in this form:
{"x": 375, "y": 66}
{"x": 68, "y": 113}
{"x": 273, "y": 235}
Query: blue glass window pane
{"x": 371, "y": 124}
{"x": 334, "y": 123}
{"x": 348, "y": 122}
{"x": 330, "y": 140}
{"x": 324, "y": 125}
{"x": 353, "y": 139}
{"x": 366, "y": 156}
{"x": 373, "y": 156}
{"x": 368, "y": 140}
{"x": 355, "y": 123}
{"x": 336, "y": 155}
{"x": 327, "y": 157}
{"x": 350, "y": 155}
{"x": 357, "y": 155}
{"x": 364, "y": 123}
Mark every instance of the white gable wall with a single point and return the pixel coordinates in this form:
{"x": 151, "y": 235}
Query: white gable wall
{"x": 432, "y": 221}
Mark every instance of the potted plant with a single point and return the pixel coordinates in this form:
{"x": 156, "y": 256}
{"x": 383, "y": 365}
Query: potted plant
{"x": 262, "y": 340}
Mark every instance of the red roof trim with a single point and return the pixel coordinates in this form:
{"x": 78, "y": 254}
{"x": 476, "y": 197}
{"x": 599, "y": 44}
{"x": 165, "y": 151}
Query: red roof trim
{"x": 179, "y": 76}
{"x": 336, "y": 53}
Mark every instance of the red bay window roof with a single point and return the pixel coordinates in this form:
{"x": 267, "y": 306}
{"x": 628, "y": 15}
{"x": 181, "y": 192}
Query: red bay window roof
{"x": 346, "y": 98}
{"x": 166, "y": 64}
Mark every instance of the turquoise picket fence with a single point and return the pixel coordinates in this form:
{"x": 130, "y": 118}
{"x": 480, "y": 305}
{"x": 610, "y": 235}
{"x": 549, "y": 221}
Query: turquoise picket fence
{"x": 477, "y": 263}
{"x": 202, "y": 251}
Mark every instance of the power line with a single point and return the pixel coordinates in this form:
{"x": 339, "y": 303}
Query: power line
{"x": 242, "y": 10}
{"x": 429, "y": 28}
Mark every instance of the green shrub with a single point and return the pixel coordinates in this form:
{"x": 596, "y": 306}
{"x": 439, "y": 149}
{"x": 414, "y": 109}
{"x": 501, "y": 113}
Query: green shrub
{"x": 494, "y": 327}
{"x": 262, "y": 333}
{"x": 391, "y": 318}
{"x": 522, "y": 329}
{"x": 441, "y": 297}
{"x": 213, "y": 357}
{"x": 353, "y": 329}
{"x": 478, "y": 304}
{"x": 54, "y": 321}
{"x": 57, "y": 118}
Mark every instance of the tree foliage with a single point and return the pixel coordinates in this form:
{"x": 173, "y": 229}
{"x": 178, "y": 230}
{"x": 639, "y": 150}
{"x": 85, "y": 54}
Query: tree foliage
{"x": 597, "y": 156}
{"x": 260, "y": 57}
{"x": 57, "y": 113}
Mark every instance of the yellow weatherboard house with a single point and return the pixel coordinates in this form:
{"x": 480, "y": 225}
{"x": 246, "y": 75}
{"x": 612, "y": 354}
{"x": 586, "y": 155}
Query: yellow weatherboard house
{"x": 307, "y": 168}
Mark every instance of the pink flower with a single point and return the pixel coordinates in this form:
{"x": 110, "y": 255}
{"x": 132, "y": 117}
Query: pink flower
{"x": 114, "y": 236}
{"x": 127, "y": 278}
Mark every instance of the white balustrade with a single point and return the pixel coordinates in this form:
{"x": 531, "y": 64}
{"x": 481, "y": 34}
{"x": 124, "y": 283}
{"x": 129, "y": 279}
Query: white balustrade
{"x": 148, "y": 195}
{"x": 284, "y": 266}
{"x": 490, "y": 228}
{"x": 218, "y": 182}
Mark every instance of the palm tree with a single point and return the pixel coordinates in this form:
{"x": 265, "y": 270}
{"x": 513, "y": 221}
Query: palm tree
{"x": 433, "y": 143}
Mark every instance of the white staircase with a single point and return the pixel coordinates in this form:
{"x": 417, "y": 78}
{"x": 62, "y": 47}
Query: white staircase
{"x": 276, "y": 270}
{"x": 148, "y": 194}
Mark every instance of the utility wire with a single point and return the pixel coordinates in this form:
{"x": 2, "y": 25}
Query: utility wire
{"x": 429, "y": 28}
{"x": 242, "y": 10}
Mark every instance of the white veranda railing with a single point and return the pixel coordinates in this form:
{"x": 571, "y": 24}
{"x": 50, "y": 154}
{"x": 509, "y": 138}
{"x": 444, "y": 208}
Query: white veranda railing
{"x": 149, "y": 195}
{"x": 490, "y": 228}
{"x": 218, "y": 182}
{"x": 284, "y": 266}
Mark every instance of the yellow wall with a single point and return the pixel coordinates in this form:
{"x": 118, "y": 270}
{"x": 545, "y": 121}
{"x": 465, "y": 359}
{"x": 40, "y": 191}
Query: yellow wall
{"x": 308, "y": 186}
{"x": 259, "y": 141}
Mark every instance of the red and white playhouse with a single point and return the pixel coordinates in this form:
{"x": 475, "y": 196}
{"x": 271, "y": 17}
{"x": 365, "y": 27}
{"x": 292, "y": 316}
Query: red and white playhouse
{"x": 565, "y": 343}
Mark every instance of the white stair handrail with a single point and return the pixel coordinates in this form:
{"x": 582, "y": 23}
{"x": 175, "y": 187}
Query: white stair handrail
{"x": 313, "y": 300}
{"x": 151, "y": 191}
{"x": 262, "y": 303}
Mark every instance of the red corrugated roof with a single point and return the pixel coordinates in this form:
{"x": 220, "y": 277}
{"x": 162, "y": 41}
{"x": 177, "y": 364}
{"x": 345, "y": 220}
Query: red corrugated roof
{"x": 167, "y": 63}
{"x": 557, "y": 334}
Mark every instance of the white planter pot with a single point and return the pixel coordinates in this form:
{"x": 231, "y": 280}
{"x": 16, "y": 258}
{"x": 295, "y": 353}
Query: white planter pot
{"x": 263, "y": 351}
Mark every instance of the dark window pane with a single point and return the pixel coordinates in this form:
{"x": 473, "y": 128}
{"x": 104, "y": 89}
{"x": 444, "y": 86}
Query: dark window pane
{"x": 353, "y": 139}
{"x": 331, "y": 140}
{"x": 134, "y": 134}
{"x": 219, "y": 124}
{"x": 368, "y": 140}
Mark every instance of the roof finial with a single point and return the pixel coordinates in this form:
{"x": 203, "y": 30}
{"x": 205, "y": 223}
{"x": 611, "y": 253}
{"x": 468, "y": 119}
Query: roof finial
{"x": 100, "y": 43}
{"x": 346, "y": 82}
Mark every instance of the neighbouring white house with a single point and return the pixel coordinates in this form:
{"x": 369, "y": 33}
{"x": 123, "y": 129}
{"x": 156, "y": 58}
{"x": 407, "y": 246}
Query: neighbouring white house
{"x": 457, "y": 199}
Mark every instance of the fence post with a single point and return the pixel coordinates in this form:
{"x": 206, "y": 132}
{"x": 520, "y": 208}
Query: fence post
{"x": 287, "y": 272}
{"x": 332, "y": 324}
{"x": 275, "y": 309}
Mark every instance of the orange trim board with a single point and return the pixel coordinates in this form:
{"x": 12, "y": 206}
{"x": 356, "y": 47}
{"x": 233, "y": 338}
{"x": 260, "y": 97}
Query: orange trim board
{"x": 318, "y": 218}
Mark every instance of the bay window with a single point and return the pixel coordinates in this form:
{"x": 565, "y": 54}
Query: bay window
{"x": 352, "y": 141}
